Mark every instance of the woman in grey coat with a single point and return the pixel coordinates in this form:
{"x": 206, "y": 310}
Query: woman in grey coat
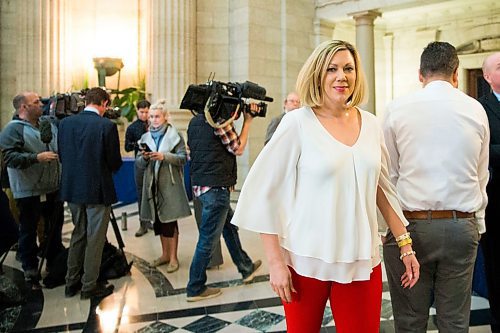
{"x": 164, "y": 200}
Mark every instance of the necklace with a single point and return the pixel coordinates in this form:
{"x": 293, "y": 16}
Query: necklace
{"x": 346, "y": 113}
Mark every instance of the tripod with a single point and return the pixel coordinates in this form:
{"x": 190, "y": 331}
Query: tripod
{"x": 118, "y": 236}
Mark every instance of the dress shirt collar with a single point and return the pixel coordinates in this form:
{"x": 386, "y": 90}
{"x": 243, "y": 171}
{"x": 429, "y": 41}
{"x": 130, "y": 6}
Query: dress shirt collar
{"x": 439, "y": 83}
{"x": 497, "y": 95}
{"x": 92, "y": 109}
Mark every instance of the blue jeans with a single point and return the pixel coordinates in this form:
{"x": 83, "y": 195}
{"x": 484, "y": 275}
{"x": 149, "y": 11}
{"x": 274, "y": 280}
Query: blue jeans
{"x": 216, "y": 218}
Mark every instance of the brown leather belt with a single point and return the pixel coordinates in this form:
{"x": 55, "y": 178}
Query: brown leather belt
{"x": 436, "y": 214}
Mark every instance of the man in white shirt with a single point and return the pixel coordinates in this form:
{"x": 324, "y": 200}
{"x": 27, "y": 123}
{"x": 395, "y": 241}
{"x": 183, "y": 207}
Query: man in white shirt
{"x": 291, "y": 102}
{"x": 438, "y": 140}
{"x": 490, "y": 242}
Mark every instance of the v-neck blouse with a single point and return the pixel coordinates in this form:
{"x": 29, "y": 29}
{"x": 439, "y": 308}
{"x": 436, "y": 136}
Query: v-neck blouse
{"x": 319, "y": 196}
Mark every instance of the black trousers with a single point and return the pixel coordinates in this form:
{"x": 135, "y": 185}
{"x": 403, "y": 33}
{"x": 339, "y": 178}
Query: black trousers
{"x": 490, "y": 243}
{"x": 8, "y": 225}
{"x": 30, "y": 211}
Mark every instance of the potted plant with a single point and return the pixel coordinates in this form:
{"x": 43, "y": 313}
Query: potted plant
{"x": 126, "y": 100}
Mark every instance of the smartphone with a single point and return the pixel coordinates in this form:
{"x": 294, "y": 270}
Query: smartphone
{"x": 145, "y": 147}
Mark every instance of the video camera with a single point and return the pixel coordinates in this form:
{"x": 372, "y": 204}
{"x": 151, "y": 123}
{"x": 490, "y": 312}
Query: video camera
{"x": 67, "y": 104}
{"x": 223, "y": 102}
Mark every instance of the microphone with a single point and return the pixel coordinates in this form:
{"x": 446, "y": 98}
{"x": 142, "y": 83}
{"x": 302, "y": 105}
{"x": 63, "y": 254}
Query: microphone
{"x": 45, "y": 132}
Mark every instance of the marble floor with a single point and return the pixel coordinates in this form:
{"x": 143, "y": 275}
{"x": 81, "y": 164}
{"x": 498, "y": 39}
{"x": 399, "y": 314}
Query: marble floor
{"x": 151, "y": 300}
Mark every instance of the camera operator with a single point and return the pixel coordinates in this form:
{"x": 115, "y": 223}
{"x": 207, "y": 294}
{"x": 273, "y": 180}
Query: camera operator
{"x": 213, "y": 174}
{"x": 132, "y": 135}
{"x": 34, "y": 169}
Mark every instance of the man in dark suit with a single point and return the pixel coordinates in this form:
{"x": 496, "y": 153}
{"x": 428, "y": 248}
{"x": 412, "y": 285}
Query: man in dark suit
{"x": 291, "y": 102}
{"x": 490, "y": 242}
{"x": 89, "y": 150}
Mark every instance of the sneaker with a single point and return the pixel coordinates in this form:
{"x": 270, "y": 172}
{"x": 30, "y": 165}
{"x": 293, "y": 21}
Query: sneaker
{"x": 208, "y": 293}
{"x": 249, "y": 278}
{"x": 100, "y": 291}
{"x": 142, "y": 230}
{"x": 32, "y": 279}
{"x": 31, "y": 275}
{"x": 150, "y": 226}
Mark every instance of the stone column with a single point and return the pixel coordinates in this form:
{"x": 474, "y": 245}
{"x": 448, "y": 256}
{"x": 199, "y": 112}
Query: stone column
{"x": 40, "y": 33}
{"x": 366, "y": 48}
{"x": 323, "y": 31}
{"x": 172, "y": 60}
{"x": 389, "y": 63}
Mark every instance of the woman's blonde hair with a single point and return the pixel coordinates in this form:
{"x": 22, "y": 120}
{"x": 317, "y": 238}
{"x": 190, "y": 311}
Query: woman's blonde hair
{"x": 312, "y": 75}
{"x": 161, "y": 105}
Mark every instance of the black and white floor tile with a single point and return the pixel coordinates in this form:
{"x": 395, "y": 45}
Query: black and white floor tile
{"x": 151, "y": 300}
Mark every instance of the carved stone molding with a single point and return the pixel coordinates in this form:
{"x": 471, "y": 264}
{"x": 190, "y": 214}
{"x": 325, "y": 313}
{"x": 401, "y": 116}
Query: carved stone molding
{"x": 482, "y": 45}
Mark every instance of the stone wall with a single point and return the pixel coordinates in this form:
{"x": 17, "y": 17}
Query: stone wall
{"x": 264, "y": 41}
{"x": 8, "y": 54}
{"x": 403, "y": 35}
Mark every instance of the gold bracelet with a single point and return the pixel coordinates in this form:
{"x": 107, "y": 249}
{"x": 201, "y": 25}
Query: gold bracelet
{"x": 403, "y": 236}
{"x": 404, "y": 242}
{"x": 406, "y": 254}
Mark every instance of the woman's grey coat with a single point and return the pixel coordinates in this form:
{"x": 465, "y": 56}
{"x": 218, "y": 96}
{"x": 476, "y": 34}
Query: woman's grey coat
{"x": 172, "y": 201}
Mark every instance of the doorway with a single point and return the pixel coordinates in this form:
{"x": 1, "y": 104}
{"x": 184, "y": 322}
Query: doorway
{"x": 476, "y": 84}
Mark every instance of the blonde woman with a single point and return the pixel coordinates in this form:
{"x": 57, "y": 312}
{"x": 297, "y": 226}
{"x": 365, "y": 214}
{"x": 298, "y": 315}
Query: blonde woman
{"x": 313, "y": 194}
{"x": 163, "y": 155}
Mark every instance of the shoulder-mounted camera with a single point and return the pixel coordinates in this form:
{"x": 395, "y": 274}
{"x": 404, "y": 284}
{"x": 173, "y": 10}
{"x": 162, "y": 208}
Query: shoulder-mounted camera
{"x": 61, "y": 105}
{"x": 223, "y": 102}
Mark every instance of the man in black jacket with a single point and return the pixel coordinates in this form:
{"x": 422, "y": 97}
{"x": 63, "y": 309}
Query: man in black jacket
{"x": 132, "y": 135}
{"x": 490, "y": 241}
{"x": 291, "y": 102}
{"x": 89, "y": 150}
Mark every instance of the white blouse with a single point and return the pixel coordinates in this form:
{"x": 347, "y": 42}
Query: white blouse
{"x": 319, "y": 196}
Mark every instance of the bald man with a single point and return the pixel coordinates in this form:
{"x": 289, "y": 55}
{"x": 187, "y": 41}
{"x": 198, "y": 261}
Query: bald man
{"x": 490, "y": 242}
{"x": 34, "y": 169}
{"x": 291, "y": 102}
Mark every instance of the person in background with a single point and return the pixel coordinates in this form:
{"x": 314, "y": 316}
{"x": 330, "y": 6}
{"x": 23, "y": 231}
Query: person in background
{"x": 291, "y": 102}
{"x": 9, "y": 227}
{"x": 34, "y": 173}
{"x": 90, "y": 153}
{"x": 313, "y": 194}
{"x": 490, "y": 242}
{"x": 437, "y": 138}
{"x": 132, "y": 135}
{"x": 162, "y": 155}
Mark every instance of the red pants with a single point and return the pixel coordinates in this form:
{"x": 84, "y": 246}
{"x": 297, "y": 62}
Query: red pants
{"x": 355, "y": 306}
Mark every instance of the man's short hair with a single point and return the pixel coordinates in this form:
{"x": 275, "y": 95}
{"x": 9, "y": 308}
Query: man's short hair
{"x": 143, "y": 104}
{"x": 96, "y": 96}
{"x": 18, "y": 100}
{"x": 438, "y": 58}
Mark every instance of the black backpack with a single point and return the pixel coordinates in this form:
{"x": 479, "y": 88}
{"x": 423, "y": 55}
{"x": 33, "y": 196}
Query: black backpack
{"x": 113, "y": 265}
